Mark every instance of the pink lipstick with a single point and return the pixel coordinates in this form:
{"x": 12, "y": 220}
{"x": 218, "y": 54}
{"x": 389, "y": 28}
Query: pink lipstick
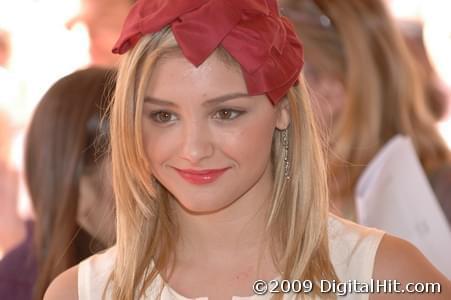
{"x": 201, "y": 176}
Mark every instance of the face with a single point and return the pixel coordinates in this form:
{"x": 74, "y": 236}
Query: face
{"x": 102, "y": 20}
{"x": 96, "y": 204}
{"x": 206, "y": 140}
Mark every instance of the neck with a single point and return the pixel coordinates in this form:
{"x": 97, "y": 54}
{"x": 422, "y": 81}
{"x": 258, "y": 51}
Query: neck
{"x": 238, "y": 228}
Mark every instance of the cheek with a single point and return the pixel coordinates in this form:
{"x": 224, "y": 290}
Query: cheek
{"x": 158, "y": 145}
{"x": 249, "y": 145}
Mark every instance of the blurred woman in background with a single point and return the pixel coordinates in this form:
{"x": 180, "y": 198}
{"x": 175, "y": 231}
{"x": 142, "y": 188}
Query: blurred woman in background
{"x": 68, "y": 180}
{"x": 11, "y": 228}
{"x": 368, "y": 90}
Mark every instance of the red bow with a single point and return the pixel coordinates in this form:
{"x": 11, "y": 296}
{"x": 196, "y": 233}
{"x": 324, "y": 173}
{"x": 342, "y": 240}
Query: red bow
{"x": 252, "y": 31}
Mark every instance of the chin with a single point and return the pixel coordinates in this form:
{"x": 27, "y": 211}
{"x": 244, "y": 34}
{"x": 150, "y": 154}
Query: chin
{"x": 203, "y": 206}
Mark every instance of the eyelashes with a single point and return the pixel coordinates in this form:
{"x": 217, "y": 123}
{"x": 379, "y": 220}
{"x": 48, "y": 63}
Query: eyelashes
{"x": 162, "y": 116}
{"x": 165, "y": 117}
{"x": 228, "y": 114}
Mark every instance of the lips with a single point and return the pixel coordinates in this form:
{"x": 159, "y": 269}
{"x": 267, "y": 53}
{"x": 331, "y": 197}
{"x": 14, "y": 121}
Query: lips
{"x": 201, "y": 176}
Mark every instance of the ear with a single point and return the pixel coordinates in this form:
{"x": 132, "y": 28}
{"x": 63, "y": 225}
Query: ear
{"x": 283, "y": 114}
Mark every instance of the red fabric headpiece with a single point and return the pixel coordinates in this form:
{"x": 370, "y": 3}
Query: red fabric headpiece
{"x": 252, "y": 31}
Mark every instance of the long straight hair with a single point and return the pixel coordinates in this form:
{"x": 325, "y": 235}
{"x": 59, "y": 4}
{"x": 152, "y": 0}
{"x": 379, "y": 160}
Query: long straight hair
{"x": 146, "y": 228}
{"x": 358, "y": 43}
{"x": 61, "y": 147}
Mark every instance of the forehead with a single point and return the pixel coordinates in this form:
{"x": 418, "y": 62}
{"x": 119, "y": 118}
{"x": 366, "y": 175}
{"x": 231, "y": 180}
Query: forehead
{"x": 174, "y": 78}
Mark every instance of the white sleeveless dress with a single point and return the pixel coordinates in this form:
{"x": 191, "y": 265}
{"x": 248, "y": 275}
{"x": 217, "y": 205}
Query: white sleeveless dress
{"x": 352, "y": 248}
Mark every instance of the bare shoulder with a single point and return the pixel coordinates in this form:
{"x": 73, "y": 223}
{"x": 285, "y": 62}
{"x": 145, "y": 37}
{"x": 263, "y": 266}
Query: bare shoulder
{"x": 65, "y": 286}
{"x": 399, "y": 260}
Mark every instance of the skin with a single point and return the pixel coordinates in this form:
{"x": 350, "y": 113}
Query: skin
{"x": 400, "y": 260}
{"x": 221, "y": 235}
{"x": 103, "y": 21}
{"x": 207, "y": 121}
{"x": 96, "y": 206}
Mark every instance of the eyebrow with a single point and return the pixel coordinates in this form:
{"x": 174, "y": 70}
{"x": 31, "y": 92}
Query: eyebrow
{"x": 209, "y": 102}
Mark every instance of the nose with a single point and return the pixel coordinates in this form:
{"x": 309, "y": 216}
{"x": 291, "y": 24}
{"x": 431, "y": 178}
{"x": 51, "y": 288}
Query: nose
{"x": 196, "y": 143}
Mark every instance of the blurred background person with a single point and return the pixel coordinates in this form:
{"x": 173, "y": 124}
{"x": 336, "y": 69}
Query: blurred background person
{"x": 67, "y": 175}
{"x": 102, "y": 19}
{"x": 367, "y": 89}
{"x": 436, "y": 93}
{"x": 11, "y": 229}
{"x": 432, "y": 16}
{"x": 78, "y": 33}
{"x": 5, "y": 47}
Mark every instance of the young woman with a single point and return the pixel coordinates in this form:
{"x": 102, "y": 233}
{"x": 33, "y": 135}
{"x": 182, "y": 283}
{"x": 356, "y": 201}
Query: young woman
{"x": 217, "y": 167}
{"x": 368, "y": 89}
{"x": 69, "y": 187}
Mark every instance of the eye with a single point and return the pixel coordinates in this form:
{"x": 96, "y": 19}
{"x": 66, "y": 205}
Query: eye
{"x": 162, "y": 116}
{"x": 227, "y": 114}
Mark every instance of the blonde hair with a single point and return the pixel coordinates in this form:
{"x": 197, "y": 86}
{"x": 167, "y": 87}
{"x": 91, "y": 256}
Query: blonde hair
{"x": 362, "y": 48}
{"x": 146, "y": 229}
